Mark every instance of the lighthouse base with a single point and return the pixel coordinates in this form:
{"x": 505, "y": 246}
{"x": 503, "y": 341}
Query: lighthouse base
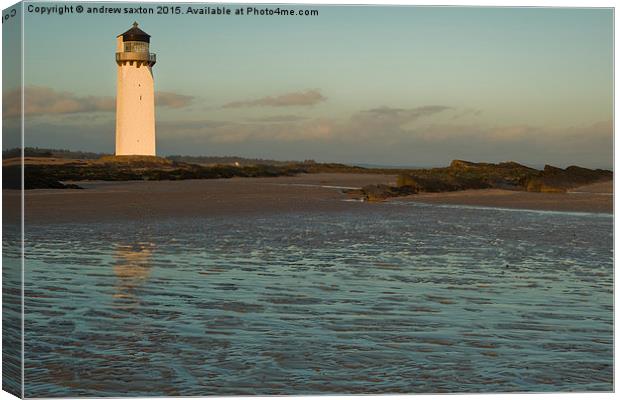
{"x": 145, "y": 161}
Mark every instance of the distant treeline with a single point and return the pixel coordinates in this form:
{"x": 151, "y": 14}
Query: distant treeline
{"x": 86, "y": 155}
{"x": 51, "y": 153}
{"x": 213, "y": 160}
{"x": 40, "y": 175}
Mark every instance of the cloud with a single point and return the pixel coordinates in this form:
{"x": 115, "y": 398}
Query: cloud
{"x": 279, "y": 118}
{"x": 172, "y": 100}
{"x": 90, "y": 136}
{"x": 472, "y": 112}
{"x": 41, "y": 100}
{"x": 368, "y": 124}
{"x": 307, "y": 98}
{"x": 397, "y": 136}
{"x": 396, "y": 116}
{"x": 410, "y": 113}
{"x": 298, "y": 129}
{"x": 387, "y": 123}
{"x": 421, "y": 136}
{"x": 432, "y": 144}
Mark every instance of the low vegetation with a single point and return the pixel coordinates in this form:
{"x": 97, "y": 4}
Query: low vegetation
{"x": 130, "y": 168}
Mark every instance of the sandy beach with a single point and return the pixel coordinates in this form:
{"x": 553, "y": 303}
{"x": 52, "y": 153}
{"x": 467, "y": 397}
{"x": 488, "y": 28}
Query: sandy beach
{"x": 102, "y": 201}
{"x": 596, "y": 198}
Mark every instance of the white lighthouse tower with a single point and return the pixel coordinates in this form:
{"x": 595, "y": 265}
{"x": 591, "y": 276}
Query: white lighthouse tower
{"x": 135, "y": 94}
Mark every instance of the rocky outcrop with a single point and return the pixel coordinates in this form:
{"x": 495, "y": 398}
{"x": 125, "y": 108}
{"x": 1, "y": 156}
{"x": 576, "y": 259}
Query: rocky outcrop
{"x": 375, "y": 193}
{"x": 463, "y": 175}
{"x": 553, "y": 179}
{"x": 12, "y": 179}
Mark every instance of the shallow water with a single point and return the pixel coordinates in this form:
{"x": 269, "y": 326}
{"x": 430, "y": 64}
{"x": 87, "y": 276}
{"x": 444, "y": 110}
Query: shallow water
{"x": 401, "y": 298}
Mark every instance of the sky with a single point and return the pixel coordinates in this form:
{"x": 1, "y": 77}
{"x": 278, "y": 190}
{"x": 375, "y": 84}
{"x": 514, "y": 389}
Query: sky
{"x": 387, "y": 85}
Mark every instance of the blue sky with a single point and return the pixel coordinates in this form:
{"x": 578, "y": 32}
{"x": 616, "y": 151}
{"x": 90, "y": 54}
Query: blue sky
{"x": 383, "y": 85}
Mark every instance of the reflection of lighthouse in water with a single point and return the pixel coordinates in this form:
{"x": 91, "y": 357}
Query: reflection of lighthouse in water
{"x": 132, "y": 267}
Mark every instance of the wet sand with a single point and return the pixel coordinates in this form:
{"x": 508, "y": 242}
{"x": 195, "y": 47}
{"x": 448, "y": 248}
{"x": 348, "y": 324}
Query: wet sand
{"x": 110, "y": 201}
{"x": 141, "y": 201}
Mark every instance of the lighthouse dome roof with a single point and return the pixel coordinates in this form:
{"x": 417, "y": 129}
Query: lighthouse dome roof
{"x": 135, "y": 34}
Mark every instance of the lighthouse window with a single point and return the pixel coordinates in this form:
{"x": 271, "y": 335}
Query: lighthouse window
{"x": 136, "y": 47}
{"x": 140, "y": 97}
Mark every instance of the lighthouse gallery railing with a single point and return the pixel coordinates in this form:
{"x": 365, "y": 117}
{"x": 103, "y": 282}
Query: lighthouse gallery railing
{"x": 132, "y": 56}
